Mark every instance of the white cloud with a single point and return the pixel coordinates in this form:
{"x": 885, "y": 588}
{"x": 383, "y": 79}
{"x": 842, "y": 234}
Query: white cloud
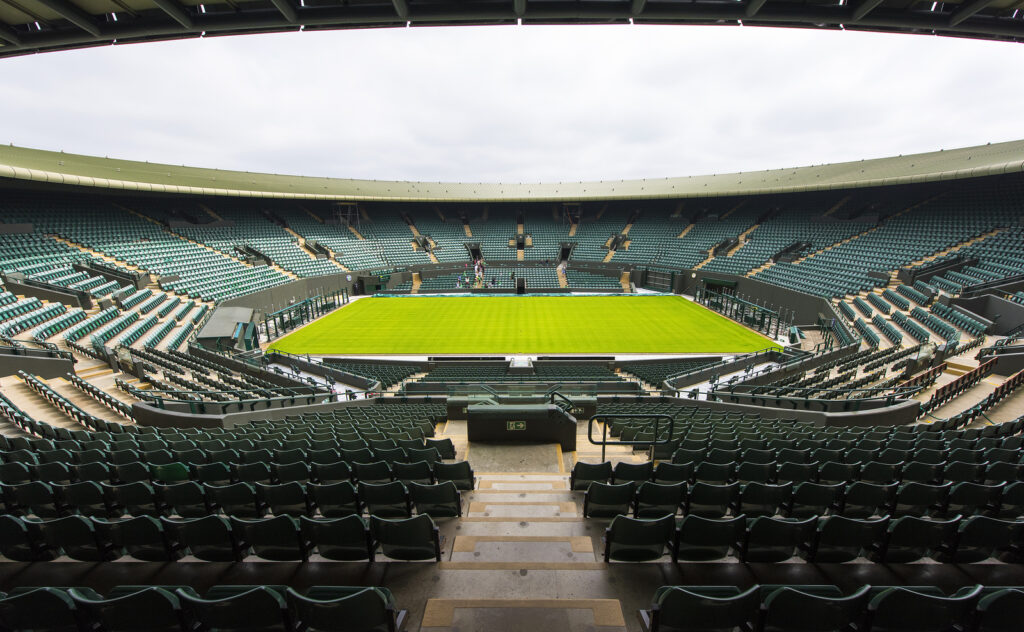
{"x": 517, "y": 103}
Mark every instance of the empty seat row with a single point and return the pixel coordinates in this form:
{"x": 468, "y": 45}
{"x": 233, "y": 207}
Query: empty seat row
{"x": 832, "y": 539}
{"x": 792, "y": 608}
{"x": 181, "y": 608}
{"x": 244, "y": 500}
{"x": 857, "y": 500}
{"x": 219, "y": 538}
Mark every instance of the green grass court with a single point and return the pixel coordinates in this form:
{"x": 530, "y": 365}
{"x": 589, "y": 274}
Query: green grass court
{"x": 522, "y": 325}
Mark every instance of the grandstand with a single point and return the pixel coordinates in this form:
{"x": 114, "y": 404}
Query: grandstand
{"x": 145, "y": 418}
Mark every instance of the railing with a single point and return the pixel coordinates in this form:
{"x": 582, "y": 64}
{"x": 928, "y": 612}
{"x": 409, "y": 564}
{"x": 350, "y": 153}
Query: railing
{"x": 925, "y": 379}
{"x": 957, "y": 386}
{"x": 604, "y": 442}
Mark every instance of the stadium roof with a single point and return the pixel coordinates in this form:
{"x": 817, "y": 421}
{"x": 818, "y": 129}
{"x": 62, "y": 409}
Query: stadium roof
{"x": 17, "y": 163}
{"x": 29, "y": 26}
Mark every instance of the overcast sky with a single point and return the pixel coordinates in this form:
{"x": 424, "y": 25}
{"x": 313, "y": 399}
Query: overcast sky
{"x": 516, "y": 104}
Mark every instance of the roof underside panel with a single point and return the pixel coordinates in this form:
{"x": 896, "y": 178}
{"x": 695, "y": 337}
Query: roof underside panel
{"x": 29, "y": 26}
{"x": 58, "y": 168}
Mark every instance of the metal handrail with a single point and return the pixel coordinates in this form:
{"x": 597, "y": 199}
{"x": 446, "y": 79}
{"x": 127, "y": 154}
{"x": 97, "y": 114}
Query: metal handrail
{"x": 604, "y": 430}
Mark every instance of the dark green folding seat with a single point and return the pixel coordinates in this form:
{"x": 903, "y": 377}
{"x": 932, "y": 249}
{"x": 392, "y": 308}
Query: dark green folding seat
{"x": 192, "y": 456}
{"x": 38, "y": 499}
{"x": 288, "y": 499}
{"x": 796, "y": 473}
{"x": 753, "y": 455}
{"x": 40, "y": 610}
{"x": 341, "y": 539}
{"x": 967, "y": 499}
{"x": 701, "y": 539}
{"x": 223, "y": 456}
{"x": 54, "y": 456}
{"x": 916, "y": 471}
{"x": 840, "y": 539}
{"x": 761, "y": 499}
{"x": 418, "y": 472}
{"x": 1005, "y": 455}
{"x": 910, "y": 539}
{"x": 323, "y": 456}
{"x": 789, "y": 609}
{"x": 52, "y": 473}
{"x": 386, "y": 500}
{"x": 1000, "y": 472}
{"x": 964, "y": 472}
{"x": 703, "y": 608}
{"x": 293, "y": 455}
{"x": 156, "y": 457}
{"x": 93, "y": 455}
{"x": 150, "y": 609}
{"x": 291, "y": 472}
{"x": 603, "y": 500}
{"x": 20, "y": 543}
{"x": 98, "y": 472}
{"x": 775, "y": 539}
{"x": 187, "y": 500}
{"x": 634, "y": 540}
{"x": 715, "y": 473}
{"x": 690, "y": 455}
{"x": 258, "y": 472}
{"x": 25, "y": 456}
{"x": 836, "y": 472}
{"x": 77, "y": 537}
{"x": 442, "y": 500}
{"x": 85, "y": 498}
{"x": 624, "y": 472}
{"x": 344, "y": 609}
{"x": 756, "y": 472}
{"x": 815, "y": 499}
{"x": 259, "y": 455}
{"x": 1000, "y": 611}
{"x": 880, "y": 473}
{"x": 376, "y": 472}
{"x": 824, "y": 455}
{"x": 793, "y": 455}
{"x": 415, "y": 538}
{"x": 361, "y": 455}
{"x": 391, "y": 455}
{"x": 920, "y": 499}
{"x": 133, "y": 499}
{"x": 237, "y": 499}
{"x": 722, "y": 456}
{"x": 899, "y": 609}
{"x": 209, "y": 538}
{"x": 169, "y": 473}
{"x": 1011, "y": 501}
{"x": 654, "y": 500}
{"x": 212, "y": 473}
{"x": 237, "y": 609}
{"x": 459, "y": 473}
{"x": 444, "y": 447}
{"x": 142, "y": 537}
{"x": 666, "y": 473}
{"x": 335, "y": 500}
{"x": 712, "y": 501}
{"x": 585, "y": 473}
{"x": 277, "y": 539}
{"x": 131, "y": 472}
{"x": 859, "y": 455}
{"x": 120, "y": 456}
{"x": 334, "y": 472}
{"x": 863, "y": 500}
{"x": 429, "y": 454}
{"x": 981, "y": 537}
{"x": 14, "y": 473}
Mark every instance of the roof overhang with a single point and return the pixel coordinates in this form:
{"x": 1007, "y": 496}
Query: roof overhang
{"x": 32, "y": 26}
{"x": 58, "y": 168}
